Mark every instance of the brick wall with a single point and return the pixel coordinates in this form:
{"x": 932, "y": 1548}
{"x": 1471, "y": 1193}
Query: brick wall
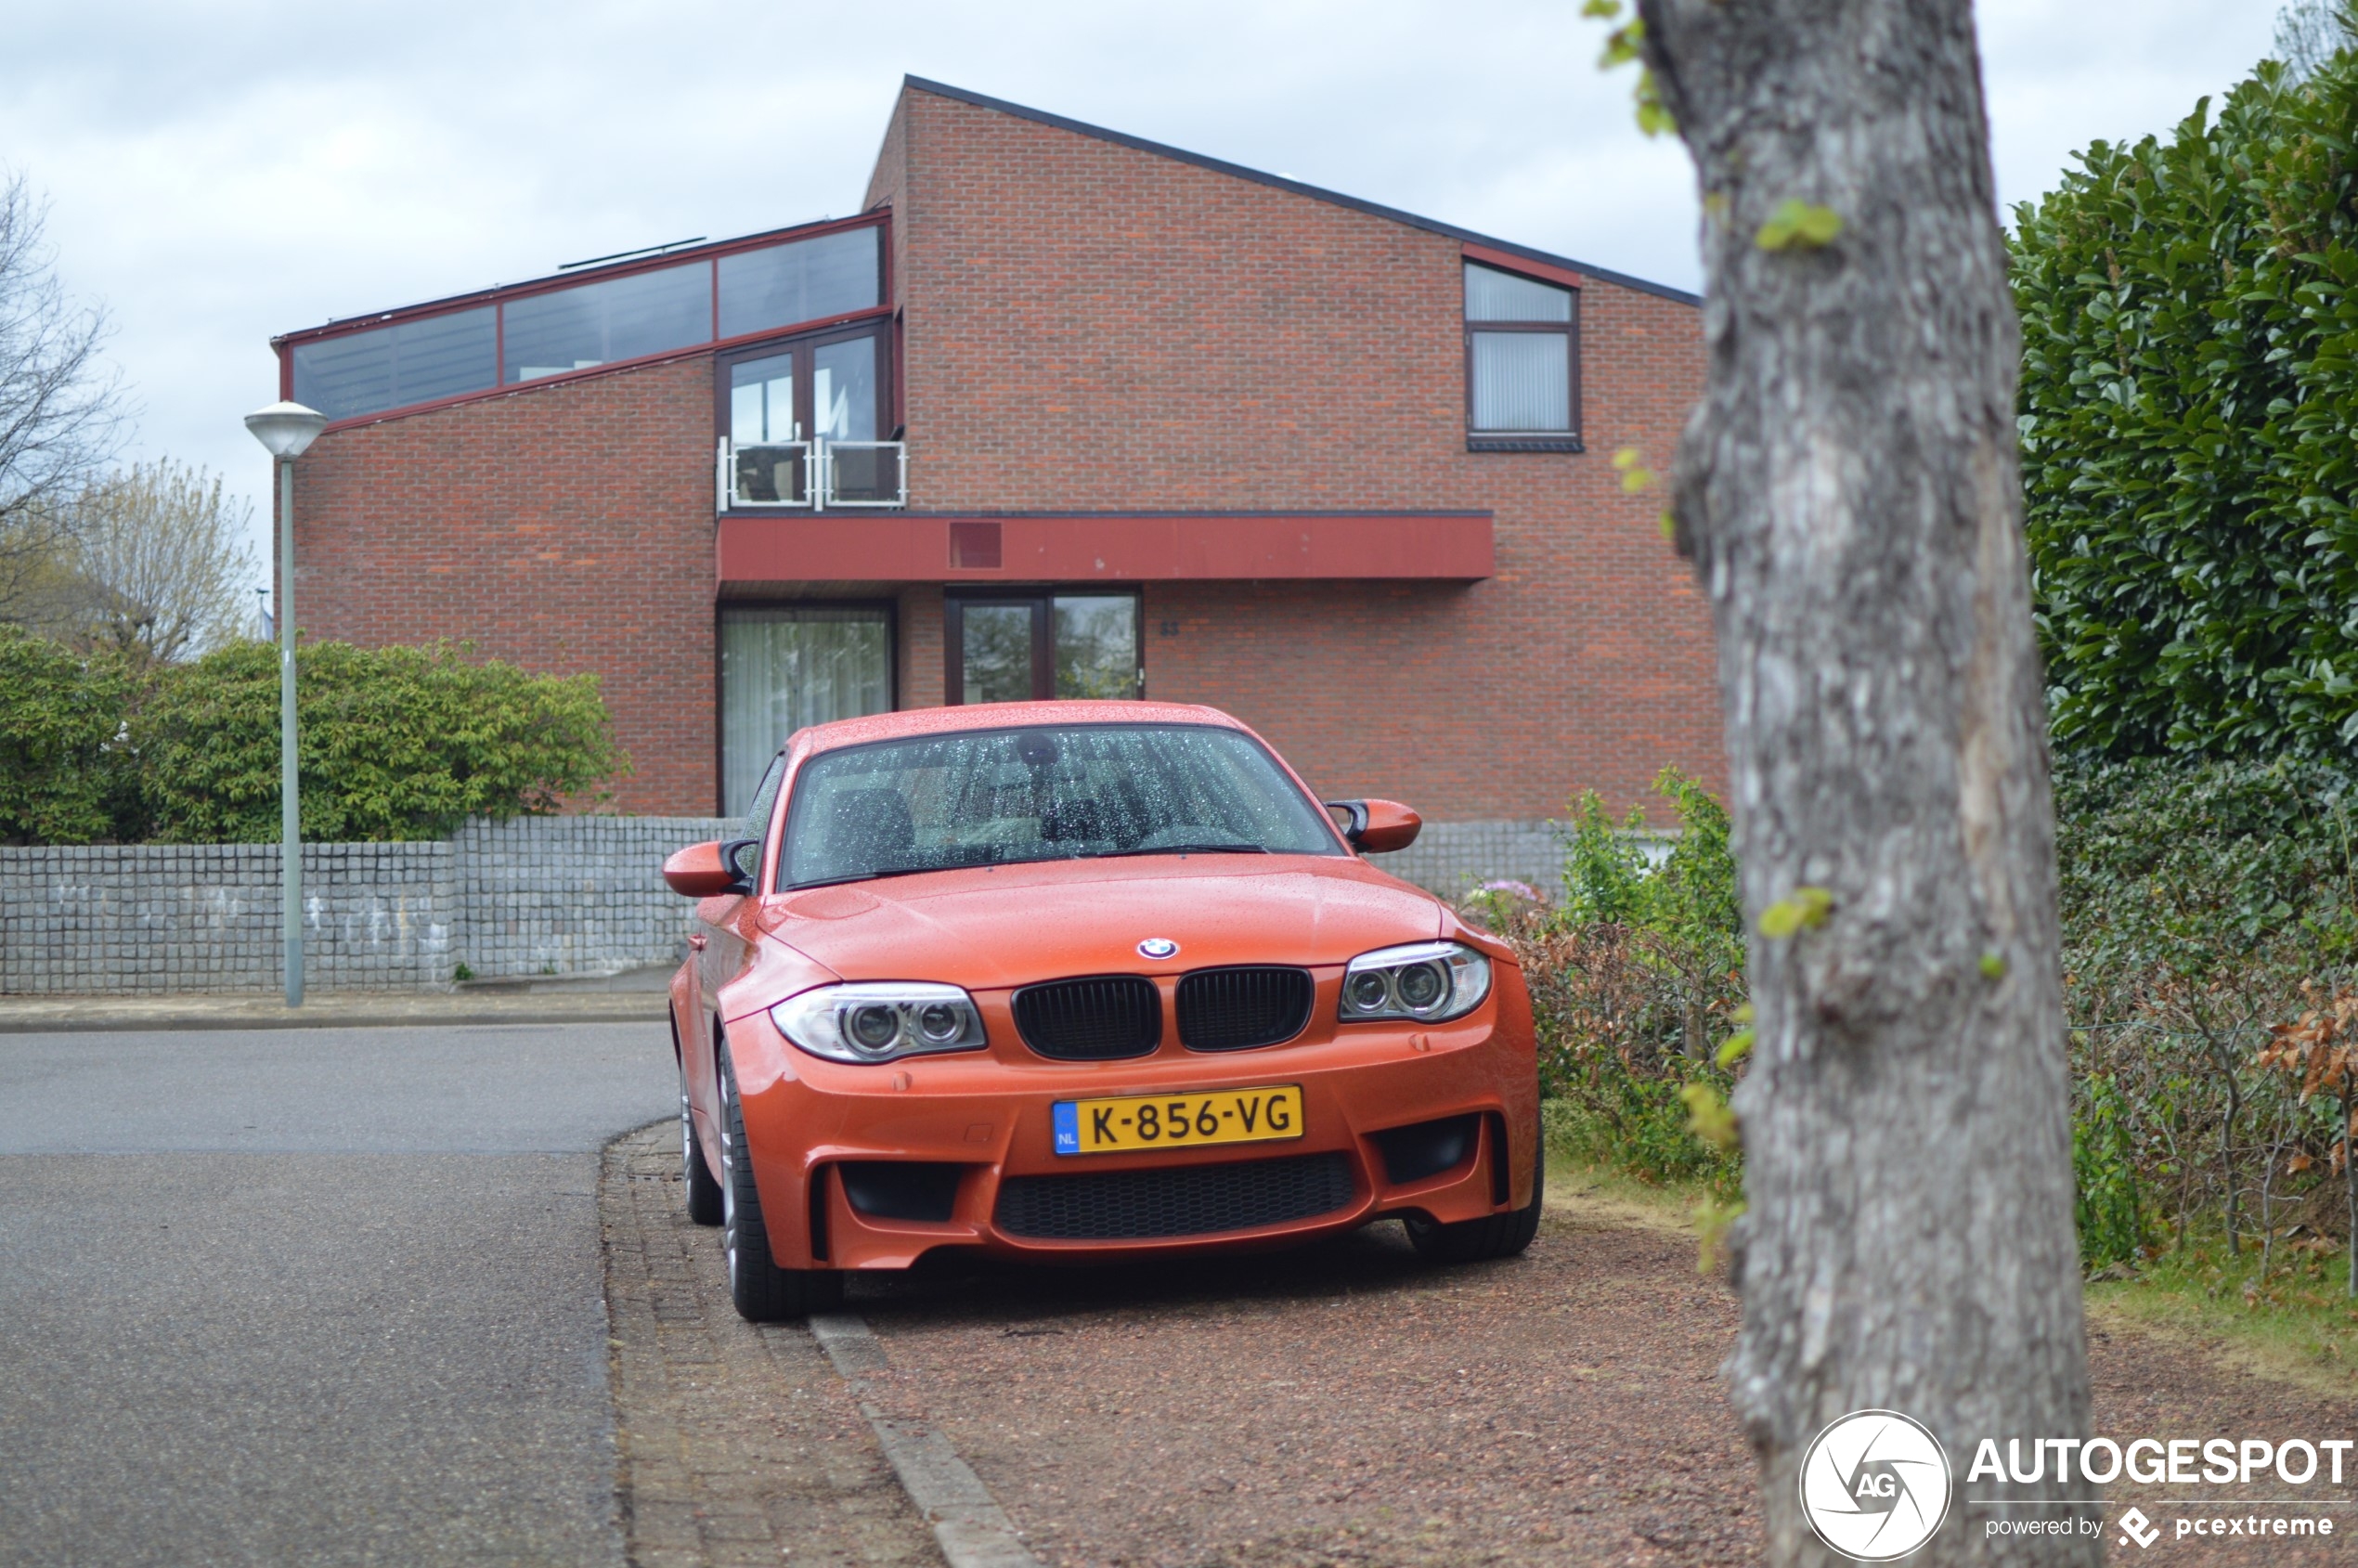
{"x": 568, "y": 529}
{"x": 1094, "y": 326}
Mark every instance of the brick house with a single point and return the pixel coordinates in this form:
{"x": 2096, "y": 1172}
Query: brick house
{"x": 1059, "y": 411}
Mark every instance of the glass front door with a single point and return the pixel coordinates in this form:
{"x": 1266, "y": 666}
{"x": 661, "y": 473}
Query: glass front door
{"x": 1026, "y": 647}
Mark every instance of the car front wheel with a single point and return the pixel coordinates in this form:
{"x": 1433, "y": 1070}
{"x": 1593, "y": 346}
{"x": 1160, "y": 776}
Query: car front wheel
{"x": 763, "y": 1292}
{"x": 1499, "y": 1236}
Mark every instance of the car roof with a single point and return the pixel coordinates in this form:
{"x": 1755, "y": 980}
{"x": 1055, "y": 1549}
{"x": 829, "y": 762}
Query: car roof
{"x": 1000, "y": 716}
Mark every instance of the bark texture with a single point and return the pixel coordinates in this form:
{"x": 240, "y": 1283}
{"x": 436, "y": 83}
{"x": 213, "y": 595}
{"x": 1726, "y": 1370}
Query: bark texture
{"x": 1849, "y": 496}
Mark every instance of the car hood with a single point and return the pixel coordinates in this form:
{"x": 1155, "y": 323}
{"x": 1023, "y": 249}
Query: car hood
{"x": 989, "y": 928}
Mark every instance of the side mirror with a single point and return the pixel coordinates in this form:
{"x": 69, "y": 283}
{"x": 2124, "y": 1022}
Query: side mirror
{"x": 1376, "y": 827}
{"x": 704, "y": 871}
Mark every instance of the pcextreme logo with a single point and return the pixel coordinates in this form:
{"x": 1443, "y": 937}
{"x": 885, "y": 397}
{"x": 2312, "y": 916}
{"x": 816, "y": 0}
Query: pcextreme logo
{"x": 1875, "y": 1485}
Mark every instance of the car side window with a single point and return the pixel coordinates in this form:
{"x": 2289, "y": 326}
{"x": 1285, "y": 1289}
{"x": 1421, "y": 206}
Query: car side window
{"x": 756, "y": 823}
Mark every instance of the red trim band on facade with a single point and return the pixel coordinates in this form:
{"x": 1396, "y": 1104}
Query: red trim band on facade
{"x": 1507, "y": 261}
{"x": 1139, "y": 547}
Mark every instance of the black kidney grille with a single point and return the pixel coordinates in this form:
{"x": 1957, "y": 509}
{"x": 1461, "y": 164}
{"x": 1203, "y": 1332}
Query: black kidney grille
{"x": 1091, "y": 1021}
{"x": 1230, "y": 1009}
{"x": 1187, "y": 1201}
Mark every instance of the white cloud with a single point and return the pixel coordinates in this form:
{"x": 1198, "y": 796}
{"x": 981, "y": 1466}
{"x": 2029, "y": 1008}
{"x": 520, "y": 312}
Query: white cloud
{"x": 224, "y": 171}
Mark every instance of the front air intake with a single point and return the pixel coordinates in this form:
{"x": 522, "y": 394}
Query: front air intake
{"x": 1410, "y": 1154}
{"x": 1183, "y": 1200}
{"x": 897, "y": 1189}
{"x": 1098, "y": 1018}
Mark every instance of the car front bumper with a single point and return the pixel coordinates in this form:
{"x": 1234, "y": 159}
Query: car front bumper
{"x": 987, "y": 1118}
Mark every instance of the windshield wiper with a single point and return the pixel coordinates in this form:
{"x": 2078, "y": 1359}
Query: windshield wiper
{"x": 1180, "y": 850}
{"x": 857, "y": 876}
{"x": 888, "y": 870}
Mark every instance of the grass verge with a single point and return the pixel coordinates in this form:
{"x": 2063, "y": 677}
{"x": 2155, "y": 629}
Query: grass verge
{"x": 2301, "y": 1328}
{"x": 1579, "y": 1181}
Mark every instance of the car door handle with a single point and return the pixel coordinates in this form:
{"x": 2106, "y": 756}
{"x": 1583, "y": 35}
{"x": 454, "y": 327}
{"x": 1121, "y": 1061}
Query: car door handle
{"x": 697, "y": 942}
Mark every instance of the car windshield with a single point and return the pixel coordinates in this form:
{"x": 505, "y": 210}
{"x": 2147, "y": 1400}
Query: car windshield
{"x": 1078, "y": 792}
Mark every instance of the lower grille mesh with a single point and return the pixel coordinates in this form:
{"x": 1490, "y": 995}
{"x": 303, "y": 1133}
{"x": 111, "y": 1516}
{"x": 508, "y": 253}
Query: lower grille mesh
{"x": 1189, "y": 1200}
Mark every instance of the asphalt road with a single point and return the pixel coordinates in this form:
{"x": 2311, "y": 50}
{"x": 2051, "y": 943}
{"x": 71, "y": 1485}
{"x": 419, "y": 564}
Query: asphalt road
{"x": 315, "y": 1297}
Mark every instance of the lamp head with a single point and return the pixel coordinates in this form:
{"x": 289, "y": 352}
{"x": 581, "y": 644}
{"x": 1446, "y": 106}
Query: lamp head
{"x": 286, "y": 428}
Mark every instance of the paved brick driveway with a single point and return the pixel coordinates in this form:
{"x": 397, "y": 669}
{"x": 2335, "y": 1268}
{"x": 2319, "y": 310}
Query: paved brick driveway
{"x": 1343, "y": 1405}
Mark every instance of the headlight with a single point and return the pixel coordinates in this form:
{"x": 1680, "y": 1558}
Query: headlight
{"x": 1428, "y": 981}
{"x": 879, "y": 1020}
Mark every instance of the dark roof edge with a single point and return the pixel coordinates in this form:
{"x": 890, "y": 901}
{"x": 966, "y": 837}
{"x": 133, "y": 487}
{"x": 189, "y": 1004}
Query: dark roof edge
{"x": 1316, "y": 193}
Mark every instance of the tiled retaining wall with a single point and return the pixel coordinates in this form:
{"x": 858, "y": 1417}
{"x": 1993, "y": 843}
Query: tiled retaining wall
{"x": 537, "y": 896}
{"x": 572, "y": 895}
{"x": 541, "y": 896}
{"x": 1454, "y": 858}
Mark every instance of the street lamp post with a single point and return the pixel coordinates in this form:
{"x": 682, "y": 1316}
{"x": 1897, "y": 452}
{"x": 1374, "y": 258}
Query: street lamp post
{"x": 285, "y": 429}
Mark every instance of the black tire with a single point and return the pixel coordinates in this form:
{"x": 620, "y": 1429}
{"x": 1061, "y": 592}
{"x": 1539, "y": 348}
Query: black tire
{"x": 1499, "y": 1235}
{"x": 763, "y": 1292}
{"x": 705, "y": 1205}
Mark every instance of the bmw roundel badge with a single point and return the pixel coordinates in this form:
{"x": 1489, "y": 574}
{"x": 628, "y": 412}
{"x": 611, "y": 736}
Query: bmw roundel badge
{"x": 1158, "y": 947}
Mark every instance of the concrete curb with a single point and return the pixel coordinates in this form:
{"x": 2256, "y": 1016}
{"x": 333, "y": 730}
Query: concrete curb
{"x": 974, "y": 1532}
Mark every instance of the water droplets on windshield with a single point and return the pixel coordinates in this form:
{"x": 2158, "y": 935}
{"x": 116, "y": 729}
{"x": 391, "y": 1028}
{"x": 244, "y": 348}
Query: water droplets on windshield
{"x": 1073, "y": 792}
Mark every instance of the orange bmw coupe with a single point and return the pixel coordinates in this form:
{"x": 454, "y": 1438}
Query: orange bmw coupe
{"x": 1081, "y": 980}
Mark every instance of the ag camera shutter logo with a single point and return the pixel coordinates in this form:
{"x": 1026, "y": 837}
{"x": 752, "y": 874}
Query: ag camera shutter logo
{"x": 1875, "y": 1485}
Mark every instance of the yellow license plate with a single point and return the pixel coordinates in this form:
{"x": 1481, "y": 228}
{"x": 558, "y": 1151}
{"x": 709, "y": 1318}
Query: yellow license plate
{"x": 1232, "y": 1116}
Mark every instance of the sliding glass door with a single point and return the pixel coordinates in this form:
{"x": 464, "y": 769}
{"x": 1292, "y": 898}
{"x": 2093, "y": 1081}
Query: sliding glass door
{"x": 786, "y": 666}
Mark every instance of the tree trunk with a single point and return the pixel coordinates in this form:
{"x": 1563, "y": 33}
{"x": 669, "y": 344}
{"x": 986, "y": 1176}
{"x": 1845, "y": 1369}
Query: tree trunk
{"x": 2227, "y": 1150}
{"x": 1850, "y": 495}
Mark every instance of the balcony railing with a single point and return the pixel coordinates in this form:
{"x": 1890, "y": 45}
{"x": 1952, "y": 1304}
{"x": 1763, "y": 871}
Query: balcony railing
{"x": 811, "y": 475}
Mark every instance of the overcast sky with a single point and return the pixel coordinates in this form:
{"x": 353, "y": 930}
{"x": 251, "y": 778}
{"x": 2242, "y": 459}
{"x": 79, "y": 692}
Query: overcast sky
{"x": 218, "y": 172}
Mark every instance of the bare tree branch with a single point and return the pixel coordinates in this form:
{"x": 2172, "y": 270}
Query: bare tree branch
{"x": 158, "y": 564}
{"x": 61, "y": 415}
{"x": 2309, "y": 31}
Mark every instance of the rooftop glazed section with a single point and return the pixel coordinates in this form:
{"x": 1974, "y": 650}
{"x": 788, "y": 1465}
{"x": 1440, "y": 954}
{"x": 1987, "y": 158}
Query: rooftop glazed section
{"x": 549, "y": 331}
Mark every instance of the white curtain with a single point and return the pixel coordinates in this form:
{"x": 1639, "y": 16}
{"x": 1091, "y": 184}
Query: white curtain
{"x": 1521, "y": 382}
{"x": 782, "y": 668}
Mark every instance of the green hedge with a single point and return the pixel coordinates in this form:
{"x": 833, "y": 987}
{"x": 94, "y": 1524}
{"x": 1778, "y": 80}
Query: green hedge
{"x": 2200, "y": 901}
{"x": 2190, "y": 383}
{"x": 63, "y": 777}
{"x": 396, "y": 743}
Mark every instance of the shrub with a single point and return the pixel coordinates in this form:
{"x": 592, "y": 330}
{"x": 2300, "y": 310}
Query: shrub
{"x": 396, "y": 743}
{"x": 64, "y": 775}
{"x": 2189, "y": 382}
{"x": 2110, "y": 1206}
{"x": 2199, "y": 900}
{"x": 1634, "y": 977}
